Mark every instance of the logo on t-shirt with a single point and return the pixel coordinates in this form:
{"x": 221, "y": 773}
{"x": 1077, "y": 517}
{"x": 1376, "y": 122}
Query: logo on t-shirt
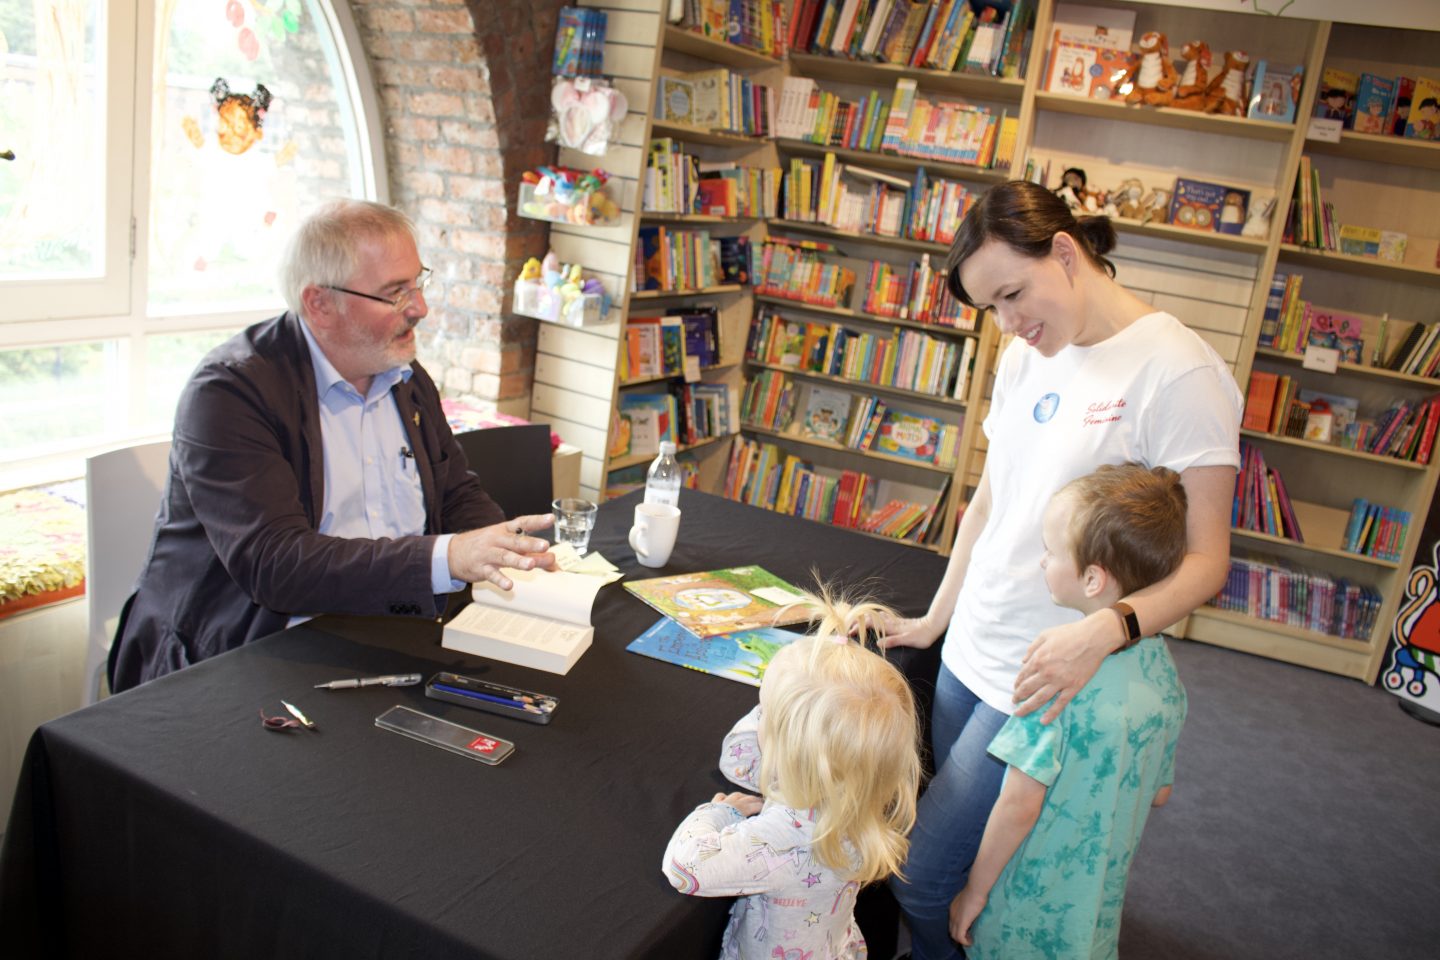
{"x": 1046, "y": 406}
{"x": 1103, "y": 411}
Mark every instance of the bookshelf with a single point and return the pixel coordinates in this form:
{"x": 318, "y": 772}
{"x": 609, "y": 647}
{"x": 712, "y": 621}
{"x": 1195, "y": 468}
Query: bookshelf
{"x": 1216, "y": 283}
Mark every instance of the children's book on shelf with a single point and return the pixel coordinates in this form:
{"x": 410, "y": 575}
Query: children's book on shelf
{"x": 742, "y": 656}
{"x": 1197, "y": 205}
{"x": 1392, "y": 246}
{"x": 827, "y": 412}
{"x": 542, "y": 622}
{"x": 1372, "y": 103}
{"x": 909, "y": 435}
{"x": 1280, "y": 593}
{"x": 723, "y": 601}
{"x": 1424, "y": 121}
{"x": 1337, "y": 330}
{"x": 1399, "y": 116}
{"x": 675, "y": 100}
{"x": 1358, "y": 241}
{"x": 1336, "y": 97}
{"x": 1274, "y": 91}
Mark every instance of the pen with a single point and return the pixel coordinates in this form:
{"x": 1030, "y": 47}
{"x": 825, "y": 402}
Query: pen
{"x": 514, "y": 702}
{"x": 405, "y": 454}
{"x": 389, "y": 680}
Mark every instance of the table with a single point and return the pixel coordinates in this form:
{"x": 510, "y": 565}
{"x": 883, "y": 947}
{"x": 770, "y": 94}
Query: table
{"x": 167, "y": 822}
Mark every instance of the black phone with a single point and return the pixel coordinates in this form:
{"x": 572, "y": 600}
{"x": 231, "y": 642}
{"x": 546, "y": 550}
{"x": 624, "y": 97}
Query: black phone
{"x": 493, "y": 698}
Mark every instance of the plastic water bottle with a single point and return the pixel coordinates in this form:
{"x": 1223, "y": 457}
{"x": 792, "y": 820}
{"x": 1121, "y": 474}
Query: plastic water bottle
{"x": 662, "y": 480}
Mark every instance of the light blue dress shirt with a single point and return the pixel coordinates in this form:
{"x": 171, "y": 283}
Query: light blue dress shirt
{"x": 372, "y": 483}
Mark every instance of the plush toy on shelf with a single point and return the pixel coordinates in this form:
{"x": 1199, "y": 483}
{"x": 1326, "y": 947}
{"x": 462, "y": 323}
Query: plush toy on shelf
{"x": 1191, "y": 94}
{"x": 562, "y": 195}
{"x": 557, "y": 291}
{"x": 1257, "y": 218}
{"x": 1155, "y": 208}
{"x": 1126, "y": 200}
{"x": 1226, "y": 93}
{"x": 1151, "y": 80}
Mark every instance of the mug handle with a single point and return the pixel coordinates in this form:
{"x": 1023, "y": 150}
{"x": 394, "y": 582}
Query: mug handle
{"x": 637, "y": 541}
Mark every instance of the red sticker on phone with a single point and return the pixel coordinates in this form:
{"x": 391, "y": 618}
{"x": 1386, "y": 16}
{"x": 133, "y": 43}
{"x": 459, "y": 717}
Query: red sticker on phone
{"x": 483, "y": 745}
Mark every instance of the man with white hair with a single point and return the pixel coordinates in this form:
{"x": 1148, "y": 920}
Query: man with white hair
{"x": 312, "y": 470}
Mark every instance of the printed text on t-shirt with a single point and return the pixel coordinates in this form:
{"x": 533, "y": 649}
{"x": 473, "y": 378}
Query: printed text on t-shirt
{"x": 1103, "y": 411}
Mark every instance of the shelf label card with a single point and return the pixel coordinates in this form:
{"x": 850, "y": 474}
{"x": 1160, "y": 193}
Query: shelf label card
{"x": 1324, "y": 359}
{"x": 1324, "y": 129}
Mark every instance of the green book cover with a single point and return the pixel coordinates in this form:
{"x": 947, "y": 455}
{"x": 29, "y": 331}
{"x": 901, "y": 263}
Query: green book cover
{"x": 723, "y": 601}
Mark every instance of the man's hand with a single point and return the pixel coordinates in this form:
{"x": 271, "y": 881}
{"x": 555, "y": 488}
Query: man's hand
{"x": 1062, "y": 660}
{"x": 963, "y": 910}
{"x": 910, "y": 632}
{"x": 748, "y": 804}
{"x": 478, "y": 555}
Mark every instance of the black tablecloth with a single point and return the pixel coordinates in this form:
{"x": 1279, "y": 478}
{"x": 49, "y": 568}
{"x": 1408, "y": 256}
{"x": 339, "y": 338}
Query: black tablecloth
{"x": 167, "y": 822}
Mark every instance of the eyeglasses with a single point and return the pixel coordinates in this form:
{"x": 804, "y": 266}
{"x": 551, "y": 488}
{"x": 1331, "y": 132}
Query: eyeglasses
{"x": 398, "y": 302}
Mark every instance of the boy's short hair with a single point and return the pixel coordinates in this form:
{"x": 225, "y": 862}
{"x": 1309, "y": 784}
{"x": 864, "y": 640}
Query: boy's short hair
{"x": 1129, "y": 521}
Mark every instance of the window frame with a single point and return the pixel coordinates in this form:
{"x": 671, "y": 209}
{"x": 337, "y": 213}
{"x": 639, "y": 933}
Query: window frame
{"x": 115, "y": 307}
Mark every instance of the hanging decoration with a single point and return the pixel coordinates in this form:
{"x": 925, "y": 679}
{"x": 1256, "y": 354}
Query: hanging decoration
{"x": 239, "y": 116}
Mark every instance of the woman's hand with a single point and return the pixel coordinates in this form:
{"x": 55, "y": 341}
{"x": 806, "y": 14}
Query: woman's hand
{"x": 909, "y": 632}
{"x": 477, "y": 555}
{"x": 1061, "y": 660}
{"x": 747, "y": 804}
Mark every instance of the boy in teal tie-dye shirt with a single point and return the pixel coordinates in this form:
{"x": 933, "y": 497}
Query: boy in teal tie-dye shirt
{"x": 1049, "y": 879}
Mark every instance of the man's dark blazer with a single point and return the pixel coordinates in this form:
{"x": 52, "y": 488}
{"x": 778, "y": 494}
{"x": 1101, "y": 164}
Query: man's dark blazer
{"x": 236, "y": 552}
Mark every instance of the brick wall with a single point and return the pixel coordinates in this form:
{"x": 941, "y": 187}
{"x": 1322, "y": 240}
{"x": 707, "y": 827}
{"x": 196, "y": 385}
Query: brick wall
{"x": 465, "y": 92}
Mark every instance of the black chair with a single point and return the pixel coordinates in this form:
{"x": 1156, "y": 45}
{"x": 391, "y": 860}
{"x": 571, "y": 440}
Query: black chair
{"x": 513, "y": 464}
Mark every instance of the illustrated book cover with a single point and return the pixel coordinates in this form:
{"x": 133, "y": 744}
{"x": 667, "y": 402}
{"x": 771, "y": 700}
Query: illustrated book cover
{"x": 826, "y": 413}
{"x": 909, "y": 435}
{"x": 742, "y": 656}
{"x": 543, "y": 622}
{"x": 723, "y": 601}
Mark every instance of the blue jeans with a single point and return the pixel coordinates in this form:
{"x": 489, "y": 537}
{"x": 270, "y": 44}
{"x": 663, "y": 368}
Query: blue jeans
{"x": 951, "y": 815}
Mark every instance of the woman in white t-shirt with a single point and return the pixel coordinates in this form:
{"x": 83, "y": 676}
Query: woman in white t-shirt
{"x": 1094, "y": 375}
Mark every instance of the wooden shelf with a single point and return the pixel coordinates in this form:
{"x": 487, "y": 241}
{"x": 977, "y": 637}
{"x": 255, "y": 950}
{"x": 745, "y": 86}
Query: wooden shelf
{"x": 660, "y": 377}
{"x": 660, "y": 216}
{"x": 830, "y": 445}
{"x": 1311, "y": 548}
{"x": 1166, "y": 117}
{"x": 681, "y": 40}
{"x": 863, "y": 384}
{"x": 1360, "y": 266}
{"x": 673, "y": 294}
{"x": 892, "y": 161}
{"x": 620, "y": 463}
{"x": 899, "y": 243}
{"x": 1378, "y": 373}
{"x": 1375, "y": 148}
{"x": 841, "y": 70}
{"x": 933, "y": 548}
{"x": 1208, "y": 238}
{"x": 715, "y": 138}
{"x": 1299, "y": 633}
{"x": 861, "y": 317}
{"x": 1330, "y": 448}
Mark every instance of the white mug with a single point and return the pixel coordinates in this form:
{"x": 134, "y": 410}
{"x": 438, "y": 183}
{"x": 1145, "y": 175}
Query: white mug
{"x": 653, "y": 535}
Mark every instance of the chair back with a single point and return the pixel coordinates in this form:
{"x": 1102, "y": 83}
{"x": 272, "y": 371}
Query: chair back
{"x": 513, "y": 464}
{"x": 123, "y": 489}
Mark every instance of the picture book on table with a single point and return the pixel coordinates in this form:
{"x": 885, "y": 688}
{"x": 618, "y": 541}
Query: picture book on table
{"x": 908, "y": 435}
{"x": 742, "y": 656}
{"x": 723, "y": 601}
{"x": 826, "y": 413}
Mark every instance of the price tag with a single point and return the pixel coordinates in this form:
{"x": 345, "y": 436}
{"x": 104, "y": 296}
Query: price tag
{"x": 1324, "y": 359}
{"x": 1324, "y": 129}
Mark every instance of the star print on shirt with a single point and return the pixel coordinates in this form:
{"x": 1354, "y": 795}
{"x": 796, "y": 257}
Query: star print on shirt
{"x": 737, "y": 751}
{"x": 812, "y": 879}
{"x": 813, "y": 919}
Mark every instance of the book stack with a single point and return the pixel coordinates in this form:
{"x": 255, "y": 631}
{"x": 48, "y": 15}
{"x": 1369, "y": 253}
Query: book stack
{"x": 973, "y": 37}
{"x": 706, "y": 411}
{"x": 1418, "y": 353}
{"x": 727, "y": 189}
{"x": 810, "y": 113}
{"x": 672, "y": 178}
{"x": 1261, "y": 501}
{"x": 669, "y": 259}
{"x": 759, "y": 25}
{"x": 794, "y": 270}
{"x": 1405, "y": 431}
{"x": 945, "y": 130}
{"x": 769, "y": 401}
{"x": 659, "y": 346}
{"x": 1280, "y": 593}
{"x": 1312, "y": 220}
{"x": 1377, "y": 104}
{"x": 1376, "y": 531}
{"x": 917, "y": 294}
{"x": 642, "y": 421}
{"x": 935, "y": 206}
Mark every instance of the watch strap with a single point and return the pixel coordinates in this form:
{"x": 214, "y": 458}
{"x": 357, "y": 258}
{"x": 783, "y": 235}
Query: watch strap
{"x": 1129, "y": 622}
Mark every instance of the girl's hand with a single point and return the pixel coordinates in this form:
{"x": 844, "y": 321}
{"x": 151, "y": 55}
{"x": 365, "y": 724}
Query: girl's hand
{"x": 910, "y": 632}
{"x": 963, "y": 910}
{"x": 1061, "y": 660}
{"x": 747, "y": 804}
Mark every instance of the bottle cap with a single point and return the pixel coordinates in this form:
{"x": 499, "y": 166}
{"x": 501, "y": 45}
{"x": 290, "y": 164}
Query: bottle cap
{"x": 667, "y": 446}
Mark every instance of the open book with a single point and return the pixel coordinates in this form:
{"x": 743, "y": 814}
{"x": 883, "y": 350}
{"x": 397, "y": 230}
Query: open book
{"x": 543, "y": 623}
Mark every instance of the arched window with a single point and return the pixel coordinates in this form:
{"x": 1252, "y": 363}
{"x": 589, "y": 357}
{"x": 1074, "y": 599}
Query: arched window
{"x": 163, "y": 153}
